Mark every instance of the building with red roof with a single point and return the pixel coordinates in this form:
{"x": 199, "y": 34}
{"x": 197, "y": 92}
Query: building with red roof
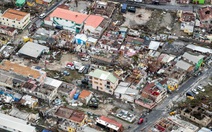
{"x": 110, "y": 124}
{"x": 95, "y": 25}
{"x": 75, "y": 21}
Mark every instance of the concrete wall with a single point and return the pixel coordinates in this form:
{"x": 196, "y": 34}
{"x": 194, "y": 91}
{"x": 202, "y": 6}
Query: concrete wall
{"x": 15, "y": 23}
{"x": 69, "y": 25}
{"x": 101, "y": 85}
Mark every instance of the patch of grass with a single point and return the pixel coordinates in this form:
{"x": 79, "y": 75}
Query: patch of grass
{"x": 74, "y": 75}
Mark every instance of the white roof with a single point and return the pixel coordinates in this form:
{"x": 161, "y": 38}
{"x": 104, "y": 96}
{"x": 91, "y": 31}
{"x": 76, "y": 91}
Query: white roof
{"x": 199, "y": 48}
{"x": 52, "y": 82}
{"x": 83, "y": 37}
{"x": 123, "y": 88}
{"x": 192, "y": 58}
{"x": 154, "y": 45}
{"x": 15, "y": 123}
{"x": 183, "y": 65}
{"x": 93, "y": 40}
{"x": 32, "y": 49}
{"x": 203, "y": 129}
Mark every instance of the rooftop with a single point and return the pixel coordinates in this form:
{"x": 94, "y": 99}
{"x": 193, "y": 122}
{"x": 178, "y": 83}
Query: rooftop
{"x": 94, "y": 21}
{"x": 73, "y": 115}
{"x": 199, "y": 48}
{"x": 193, "y": 58}
{"x": 109, "y": 122}
{"x": 205, "y": 13}
{"x": 84, "y": 94}
{"x": 19, "y": 69}
{"x": 76, "y": 17}
{"x": 104, "y": 75}
{"x": 77, "y": 116}
{"x": 17, "y": 124}
{"x": 188, "y": 17}
{"x": 183, "y": 65}
{"x": 14, "y": 14}
{"x": 64, "y": 112}
{"x": 32, "y": 49}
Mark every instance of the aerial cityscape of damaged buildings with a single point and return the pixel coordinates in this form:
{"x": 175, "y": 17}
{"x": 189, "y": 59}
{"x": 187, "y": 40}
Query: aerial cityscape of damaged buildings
{"x": 112, "y": 66}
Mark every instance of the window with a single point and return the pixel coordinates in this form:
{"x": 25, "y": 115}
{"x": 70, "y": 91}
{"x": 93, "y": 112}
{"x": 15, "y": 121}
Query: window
{"x": 66, "y": 20}
{"x": 96, "y": 82}
{"x": 18, "y": 22}
{"x": 7, "y": 19}
{"x": 3, "y": 18}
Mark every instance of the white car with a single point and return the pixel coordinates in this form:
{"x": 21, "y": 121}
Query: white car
{"x": 195, "y": 91}
{"x": 87, "y": 58}
{"x": 42, "y": 15}
{"x": 70, "y": 67}
{"x": 200, "y": 88}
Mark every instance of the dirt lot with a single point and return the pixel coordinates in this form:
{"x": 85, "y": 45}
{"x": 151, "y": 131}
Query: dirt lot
{"x": 142, "y": 16}
{"x": 160, "y": 20}
{"x": 82, "y": 5}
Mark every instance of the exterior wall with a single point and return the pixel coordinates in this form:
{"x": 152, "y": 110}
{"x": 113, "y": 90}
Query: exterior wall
{"x": 16, "y": 24}
{"x": 50, "y": 23}
{"x": 204, "y": 122}
{"x": 198, "y": 65}
{"x": 161, "y": 96}
{"x": 89, "y": 29}
{"x": 128, "y": 98}
{"x": 53, "y": 94}
{"x": 102, "y": 85}
{"x": 148, "y": 106}
{"x": 8, "y": 32}
{"x": 69, "y": 25}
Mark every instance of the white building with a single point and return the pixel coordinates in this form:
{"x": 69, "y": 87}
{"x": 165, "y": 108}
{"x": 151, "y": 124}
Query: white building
{"x": 29, "y": 101}
{"x": 125, "y": 92}
{"x": 14, "y": 124}
{"x": 14, "y": 18}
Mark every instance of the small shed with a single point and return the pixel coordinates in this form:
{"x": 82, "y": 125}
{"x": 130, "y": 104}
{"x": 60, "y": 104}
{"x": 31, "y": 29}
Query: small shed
{"x": 81, "y": 39}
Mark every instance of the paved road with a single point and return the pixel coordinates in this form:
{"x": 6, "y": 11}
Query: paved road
{"x": 160, "y": 110}
{"x": 38, "y": 21}
{"x": 168, "y": 6}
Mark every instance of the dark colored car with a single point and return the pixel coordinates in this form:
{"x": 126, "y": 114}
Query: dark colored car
{"x": 131, "y": 9}
{"x": 86, "y": 69}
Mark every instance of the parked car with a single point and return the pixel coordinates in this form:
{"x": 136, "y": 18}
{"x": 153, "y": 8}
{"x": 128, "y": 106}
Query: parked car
{"x": 131, "y": 9}
{"x": 70, "y": 65}
{"x": 141, "y": 120}
{"x": 87, "y": 58}
{"x": 86, "y": 69}
{"x": 200, "y": 88}
{"x": 190, "y": 95}
{"x": 42, "y": 15}
{"x": 195, "y": 91}
{"x": 81, "y": 69}
{"x": 65, "y": 73}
